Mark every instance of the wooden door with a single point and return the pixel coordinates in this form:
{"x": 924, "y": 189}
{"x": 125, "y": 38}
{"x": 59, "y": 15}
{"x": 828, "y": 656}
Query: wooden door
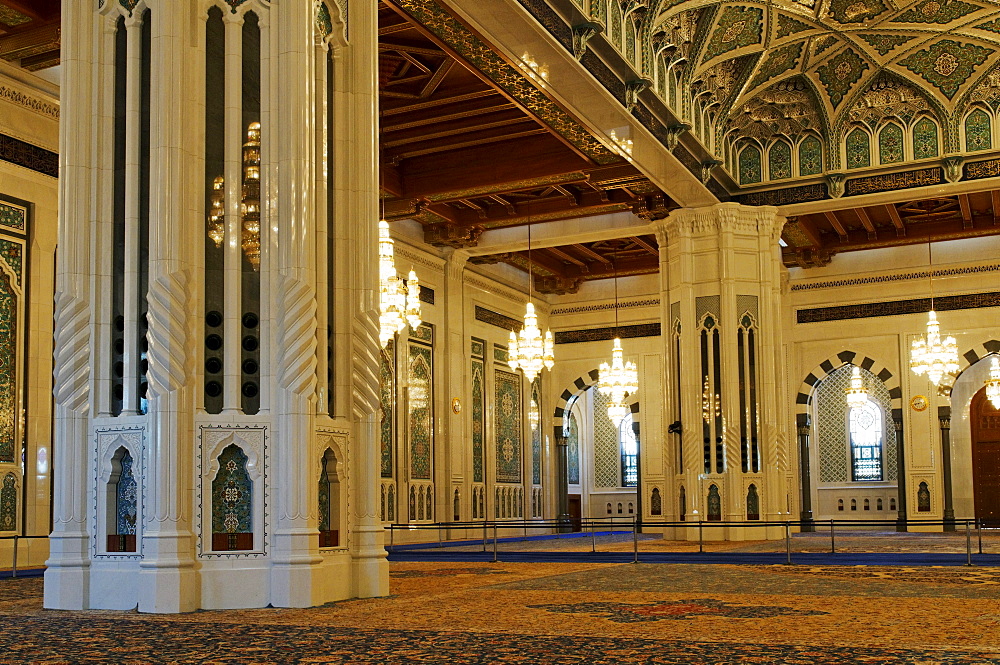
{"x": 574, "y": 507}
{"x": 986, "y": 458}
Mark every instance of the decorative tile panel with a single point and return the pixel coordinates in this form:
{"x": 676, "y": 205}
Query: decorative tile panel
{"x": 890, "y": 144}
{"x": 978, "y": 132}
{"x": 856, "y": 11}
{"x": 883, "y": 44}
{"x": 126, "y": 498}
{"x": 737, "y": 28}
{"x": 840, "y": 74}
{"x": 497, "y": 319}
{"x": 810, "y": 156}
{"x": 602, "y": 334}
{"x": 8, "y": 503}
{"x": 11, "y": 253}
{"x": 779, "y": 61}
{"x": 573, "y": 451}
{"x": 420, "y": 380}
{"x": 607, "y": 448}
{"x": 750, "y": 167}
{"x": 508, "y": 426}
{"x": 897, "y": 307}
{"x": 232, "y": 493}
{"x": 500, "y": 353}
{"x": 13, "y": 217}
{"x": 29, "y": 156}
{"x": 779, "y": 161}
{"x": 9, "y": 361}
{"x": 858, "y": 149}
{"x": 946, "y": 64}
{"x": 889, "y": 182}
{"x": 925, "y": 139}
{"x": 536, "y": 433}
{"x": 939, "y": 12}
{"x": 387, "y": 400}
{"x": 790, "y": 26}
{"x": 423, "y": 333}
{"x": 478, "y": 419}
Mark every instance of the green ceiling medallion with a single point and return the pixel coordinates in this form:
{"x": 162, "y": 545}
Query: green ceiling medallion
{"x": 737, "y": 28}
{"x": 940, "y": 12}
{"x": 856, "y": 11}
{"x": 779, "y": 61}
{"x": 947, "y": 64}
{"x": 840, "y": 74}
{"x": 885, "y": 43}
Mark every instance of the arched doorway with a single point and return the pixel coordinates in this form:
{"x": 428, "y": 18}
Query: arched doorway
{"x": 985, "y": 458}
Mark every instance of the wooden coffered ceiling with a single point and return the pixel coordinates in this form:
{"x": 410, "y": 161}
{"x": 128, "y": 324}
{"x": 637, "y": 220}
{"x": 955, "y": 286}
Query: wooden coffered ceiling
{"x": 470, "y": 148}
{"x": 812, "y": 239}
{"x": 30, "y": 33}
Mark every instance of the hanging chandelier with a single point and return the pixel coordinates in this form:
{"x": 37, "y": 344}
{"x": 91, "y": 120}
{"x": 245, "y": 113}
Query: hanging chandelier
{"x": 399, "y": 303}
{"x": 619, "y": 379}
{"x": 932, "y": 354}
{"x": 711, "y": 404}
{"x": 527, "y": 349}
{"x": 217, "y": 212}
{"x": 993, "y": 383}
{"x": 857, "y": 396}
{"x": 250, "y": 201}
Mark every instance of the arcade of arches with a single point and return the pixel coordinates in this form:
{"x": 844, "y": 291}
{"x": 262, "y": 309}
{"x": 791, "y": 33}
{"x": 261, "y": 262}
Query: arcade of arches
{"x": 756, "y": 197}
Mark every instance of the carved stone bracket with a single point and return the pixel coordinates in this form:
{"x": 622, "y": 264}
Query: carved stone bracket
{"x": 582, "y": 34}
{"x": 674, "y": 134}
{"x": 953, "y": 168}
{"x": 632, "y": 91}
{"x": 452, "y": 235}
{"x": 557, "y": 285}
{"x": 707, "y": 168}
{"x": 835, "y": 184}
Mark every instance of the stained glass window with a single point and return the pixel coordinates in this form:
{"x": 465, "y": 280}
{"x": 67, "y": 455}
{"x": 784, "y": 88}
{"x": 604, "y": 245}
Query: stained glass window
{"x": 978, "y": 133}
{"x": 858, "y": 149}
{"x": 890, "y": 144}
{"x": 780, "y": 161}
{"x": 630, "y": 452}
{"x": 925, "y": 139}
{"x": 865, "y": 427}
{"x": 750, "y": 165}
{"x": 810, "y": 156}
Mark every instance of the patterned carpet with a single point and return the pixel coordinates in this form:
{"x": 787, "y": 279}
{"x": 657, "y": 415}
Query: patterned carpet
{"x": 560, "y": 614}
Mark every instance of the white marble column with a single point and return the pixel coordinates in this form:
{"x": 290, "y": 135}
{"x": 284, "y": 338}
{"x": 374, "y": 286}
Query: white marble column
{"x": 67, "y": 574}
{"x": 168, "y": 582}
{"x": 456, "y": 359}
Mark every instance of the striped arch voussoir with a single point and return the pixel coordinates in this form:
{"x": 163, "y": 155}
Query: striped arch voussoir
{"x": 580, "y": 384}
{"x": 803, "y": 400}
{"x": 972, "y": 356}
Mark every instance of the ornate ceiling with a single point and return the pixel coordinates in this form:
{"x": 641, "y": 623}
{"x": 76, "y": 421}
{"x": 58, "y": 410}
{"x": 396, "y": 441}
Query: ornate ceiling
{"x": 29, "y": 33}
{"x": 785, "y": 68}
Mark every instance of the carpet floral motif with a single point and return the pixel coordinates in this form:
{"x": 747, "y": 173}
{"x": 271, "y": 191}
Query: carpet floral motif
{"x": 444, "y": 572}
{"x": 675, "y": 609}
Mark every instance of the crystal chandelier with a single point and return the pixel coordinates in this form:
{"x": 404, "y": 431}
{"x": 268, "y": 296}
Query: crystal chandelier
{"x": 619, "y": 379}
{"x": 711, "y": 405}
{"x": 217, "y": 213}
{"x": 857, "y": 396}
{"x": 993, "y": 383}
{"x": 528, "y": 349}
{"x": 399, "y": 303}
{"x": 250, "y": 201}
{"x": 932, "y": 354}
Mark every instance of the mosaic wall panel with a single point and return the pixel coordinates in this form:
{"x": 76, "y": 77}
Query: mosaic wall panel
{"x": 738, "y": 27}
{"x": 126, "y": 498}
{"x": 8, "y": 503}
{"x": 831, "y": 426}
{"x": 478, "y": 419}
{"x": 573, "y": 451}
{"x": 840, "y": 74}
{"x": 889, "y": 182}
{"x": 925, "y": 139}
{"x": 508, "y": 426}
{"x": 890, "y": 144}
{"x": 810, "y": 156}
{"x": 779, "y": 161}
{"x": 607, "y": 453}
{"x": 978, "y": 133}
{"x": 323, "y": 497}
{"x": 232, "y": 493}
{"x": 946, "y": 64}
{"x": 750, "y": 165}
{"x": 898, "y": 307}
{"x": 9, "y": 359}
{"x": 858, "y": 149}
{"x": 424, "y": 333}
{"x": 13, "y": 216}
{"x": 387, "y": 391}
{"x": 420, "y": 379}
{"x": 536, "y": 433}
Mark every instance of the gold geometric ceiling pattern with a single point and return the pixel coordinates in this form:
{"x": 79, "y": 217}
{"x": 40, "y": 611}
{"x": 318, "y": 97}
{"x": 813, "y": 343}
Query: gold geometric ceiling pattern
{"x": 783, "y": 68}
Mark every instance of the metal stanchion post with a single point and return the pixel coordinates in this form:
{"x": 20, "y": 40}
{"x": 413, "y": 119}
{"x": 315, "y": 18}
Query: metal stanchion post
{"x": 392, "y": 533}
{"x": 701, "y": 540}
{"x": 494, "y": 542}
{"x": 440, "y": 527}
{"x": 979, "y": 533}
{"x": 593, "y": 537}
{"x": 13, "y": 570}
{"x": 833, "y": 540}
{"x": 635, "y": 540}
{"x": 484, "y": 535}
{"x": 525, "y": 529}
{"x": 788, "y": 544}
{"x": 968, "y": 544}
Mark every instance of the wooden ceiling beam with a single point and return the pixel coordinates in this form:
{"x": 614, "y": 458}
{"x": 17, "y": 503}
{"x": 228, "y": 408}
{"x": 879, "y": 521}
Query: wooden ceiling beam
{"x": 441, "y": 101}
{"x": 966, "y": 207}
{"x": 30, "y": 42}
{"x": 646, "y": 246}
{"x": 836, "y": 224}
{"x": 459, "y": 128}
{"x": 566, "y": 256}
{"x": 583, "y": 249}
{"x": 866, "y": 222}
{"x": 447, "y": 118}
{"x": 995, "y": 198}
{"x": 897, "y": 221}
{"x": 488, "y": 138}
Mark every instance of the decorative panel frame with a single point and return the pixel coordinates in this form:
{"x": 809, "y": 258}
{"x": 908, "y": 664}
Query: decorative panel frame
{"x": 107, "y": 441}
{"x": 508, "y": 428}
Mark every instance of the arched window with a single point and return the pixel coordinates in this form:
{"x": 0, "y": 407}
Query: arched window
{"x": 779, "y": 161}
{"x": 840, "y": 505}
{"x": 859, "y": 154}
{"x": 753, "y": 503}
{"x": 890, "y": 144}
{"x": 714, "y": 503}
{"x": 978, "y": 131}
{"x": 656, "y": 503}
{"x": 750, "y": 165}
{"x": 329, "y": 501}
{"x": 865, "y": 428}
{"x": 810, "y": 156}
{"x": 925, "y": 139}
{"x": 629, "y": 452}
